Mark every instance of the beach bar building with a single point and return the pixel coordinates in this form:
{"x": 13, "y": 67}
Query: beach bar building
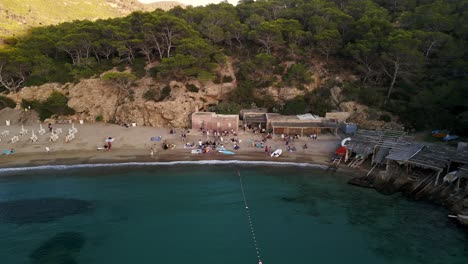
{"x": 213, "y": 121}
{"x": 256, "y": 117}
{"x": 303, "y": 125}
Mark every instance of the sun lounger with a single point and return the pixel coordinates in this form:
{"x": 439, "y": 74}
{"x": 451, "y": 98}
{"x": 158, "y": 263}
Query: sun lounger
{"x": 69, "y": 138}
{"x": 53, "y": 137}
{"x": 41, "y": 130}
{"x": 14, "y": 139}
{"x": 33, "y": 138}
{"x": 23, "y": 131}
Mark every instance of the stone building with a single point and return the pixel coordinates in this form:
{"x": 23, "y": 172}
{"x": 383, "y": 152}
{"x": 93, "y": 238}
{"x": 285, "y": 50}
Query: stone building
{"x": 213, "y": 121}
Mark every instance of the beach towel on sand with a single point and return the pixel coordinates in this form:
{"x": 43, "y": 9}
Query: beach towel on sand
{"x": 8, "y": 152}
{"x": 156, "y": 138}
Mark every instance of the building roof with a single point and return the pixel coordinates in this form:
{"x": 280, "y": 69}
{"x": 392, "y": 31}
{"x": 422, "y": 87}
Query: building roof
{"x": 463, "y": 171}
{"x": 461, "y": 157}
{"x": 214, "y": 114}
{"x": 380, "y": 155}
{"x": 308, "y": 116}
{"x": 360, "y": 147}
{"x": 405, "y": 152}
{"x": 432, "y": 157}
{"x": 274, "y": 117}
{"x": 255, "y": 118}
{"x": 365, "y": 141}
{"x": 382, "y": 138}
{"x": 254, "y": 110}
{"x": 304, "y": 124}
{"x": 204, "y": 113}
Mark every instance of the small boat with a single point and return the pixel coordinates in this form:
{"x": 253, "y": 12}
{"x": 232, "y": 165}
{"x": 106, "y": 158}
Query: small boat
{"x": 277, "y": 153}
{"x": 463, "y": 219}
{"x": 449, "y": 137}
{"x": 226, "y": 152}
{"x": 440, "y": 133}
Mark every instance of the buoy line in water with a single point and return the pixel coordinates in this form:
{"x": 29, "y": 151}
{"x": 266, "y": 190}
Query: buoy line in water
{"x": 252, "y": 230}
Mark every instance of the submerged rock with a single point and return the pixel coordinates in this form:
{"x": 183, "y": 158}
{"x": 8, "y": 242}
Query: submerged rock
{"x": 42, "y": 210}
{"x": 60, "y": 249}
{"x": 365, "y": 182}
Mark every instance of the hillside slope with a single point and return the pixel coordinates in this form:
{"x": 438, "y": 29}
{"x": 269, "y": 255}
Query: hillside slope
{"x": 16, "y": 16}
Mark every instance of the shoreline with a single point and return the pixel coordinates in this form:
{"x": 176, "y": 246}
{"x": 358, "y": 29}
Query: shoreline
{"x": 73, "y": 159}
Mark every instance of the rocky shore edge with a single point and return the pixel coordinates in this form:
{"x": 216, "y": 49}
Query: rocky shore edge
{"x": 422, "y": 188}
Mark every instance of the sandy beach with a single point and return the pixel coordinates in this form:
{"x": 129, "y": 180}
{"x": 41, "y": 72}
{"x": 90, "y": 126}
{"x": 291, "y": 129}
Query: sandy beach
{"x": 133, "y": 144}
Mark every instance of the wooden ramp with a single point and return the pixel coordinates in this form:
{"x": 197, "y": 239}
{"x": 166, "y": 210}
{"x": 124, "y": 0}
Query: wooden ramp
{"x": 335, "y": 164}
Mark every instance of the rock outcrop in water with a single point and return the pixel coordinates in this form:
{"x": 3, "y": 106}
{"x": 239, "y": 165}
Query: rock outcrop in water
{"x": 421, "y": 188}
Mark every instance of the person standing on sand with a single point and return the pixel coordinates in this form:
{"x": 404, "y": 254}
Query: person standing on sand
{"x": 50, "y": 127}
{"x": 109, "y": 143}
{"x": 266, "y": 150}
{"x": 152, "y": 152}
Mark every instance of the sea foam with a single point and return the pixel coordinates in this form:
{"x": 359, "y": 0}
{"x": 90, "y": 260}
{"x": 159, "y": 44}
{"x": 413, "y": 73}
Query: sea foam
{"x": 168, "y": 163}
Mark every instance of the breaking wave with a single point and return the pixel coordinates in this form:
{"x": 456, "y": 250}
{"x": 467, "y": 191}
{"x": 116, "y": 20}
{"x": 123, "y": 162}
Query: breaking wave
{"x": 168, "y": 163}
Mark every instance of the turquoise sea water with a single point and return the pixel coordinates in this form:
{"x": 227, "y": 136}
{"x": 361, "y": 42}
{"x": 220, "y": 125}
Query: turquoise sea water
{"x": 195, "y": 214}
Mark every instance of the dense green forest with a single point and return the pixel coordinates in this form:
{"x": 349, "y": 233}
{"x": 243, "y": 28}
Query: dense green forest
{"x": 410, "y": 55}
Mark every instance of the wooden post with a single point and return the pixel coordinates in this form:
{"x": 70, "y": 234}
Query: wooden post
{"x": 373, "y": 156}
{"x": 371, "y": 170}
{"x": 302, "y": 132}
{"x": 437, "y": 178}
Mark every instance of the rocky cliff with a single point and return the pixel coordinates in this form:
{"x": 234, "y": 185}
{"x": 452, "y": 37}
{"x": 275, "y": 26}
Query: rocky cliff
{"x": 92, "y": 98}
{"x": 98, "y": 99}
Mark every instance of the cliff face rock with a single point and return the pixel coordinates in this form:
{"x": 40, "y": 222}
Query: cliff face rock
{"x": 368, "y": 118}
{"x": 284, "y": 93}
{"x": 94, "y": 97}
{"x": 91, "y": 98}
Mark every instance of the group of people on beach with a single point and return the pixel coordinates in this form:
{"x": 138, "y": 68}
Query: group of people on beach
{"x": 216, "y": 140}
